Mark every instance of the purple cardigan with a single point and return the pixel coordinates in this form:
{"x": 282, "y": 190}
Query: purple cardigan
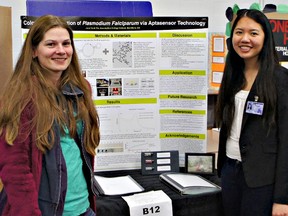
{"x": 20, "y": 170}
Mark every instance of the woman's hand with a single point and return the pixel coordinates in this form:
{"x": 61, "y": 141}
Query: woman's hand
{"x": 280, "y": 210}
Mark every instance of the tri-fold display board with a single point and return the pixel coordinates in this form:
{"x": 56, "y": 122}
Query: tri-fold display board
{"x": 149, "y": 82}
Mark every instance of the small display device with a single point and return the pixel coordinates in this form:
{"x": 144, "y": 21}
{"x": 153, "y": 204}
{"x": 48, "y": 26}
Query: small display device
{"x": 200, "y": 163}
{"x": 155, "y": 162}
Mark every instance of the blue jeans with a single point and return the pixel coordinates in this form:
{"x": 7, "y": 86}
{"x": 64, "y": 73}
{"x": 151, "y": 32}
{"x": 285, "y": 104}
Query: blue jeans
{"x": 3, "y": 200}
{"x": 238, "y": 198}
{"x": 89, "y": 212}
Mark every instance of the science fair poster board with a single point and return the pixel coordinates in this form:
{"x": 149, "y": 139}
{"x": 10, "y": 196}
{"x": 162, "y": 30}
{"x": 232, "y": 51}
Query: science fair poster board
{"x": 279, "y": 24}
{"x": 149, "y": 81}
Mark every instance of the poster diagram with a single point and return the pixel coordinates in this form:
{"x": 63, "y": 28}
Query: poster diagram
{"x": 122, "y": 54}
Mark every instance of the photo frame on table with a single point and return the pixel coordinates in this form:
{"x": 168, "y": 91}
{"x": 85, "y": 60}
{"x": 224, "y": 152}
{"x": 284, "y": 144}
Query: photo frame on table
{"x": 200, "y": 163}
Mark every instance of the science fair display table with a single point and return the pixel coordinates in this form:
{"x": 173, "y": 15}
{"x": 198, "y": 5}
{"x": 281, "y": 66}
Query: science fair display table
{"x": 183, "y": 205}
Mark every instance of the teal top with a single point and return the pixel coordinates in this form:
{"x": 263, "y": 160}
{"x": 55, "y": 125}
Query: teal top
{"x": 76, "y": 200}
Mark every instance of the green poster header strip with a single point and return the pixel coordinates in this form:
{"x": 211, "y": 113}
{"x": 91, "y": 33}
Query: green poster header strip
{"x": 182, "y": 72}
{"x": 183, "y": 35}
{"x": 125, "y": 101}
{"x": 185, "y": 112}
{"x": 182, "y": 135}
{"x": 114, "y": 35}
{"x": 181, "y": 97}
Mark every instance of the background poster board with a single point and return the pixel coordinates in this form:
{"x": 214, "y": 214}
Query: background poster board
{"x": 149, "y": 81}
{"x": 279, "y": 24}
{"x": 91, "y": 8}
{"x": 5, "y": 45}
{"x": 217, "y": 55}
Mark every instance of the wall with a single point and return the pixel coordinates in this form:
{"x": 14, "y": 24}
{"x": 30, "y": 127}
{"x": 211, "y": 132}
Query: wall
{"x": 214, "y": 9}
{"x": 5, "y": 46}
{"x": 18, "y": 9}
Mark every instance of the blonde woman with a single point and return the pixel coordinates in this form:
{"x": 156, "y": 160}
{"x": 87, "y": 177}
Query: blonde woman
{"x": 49, "y": 128}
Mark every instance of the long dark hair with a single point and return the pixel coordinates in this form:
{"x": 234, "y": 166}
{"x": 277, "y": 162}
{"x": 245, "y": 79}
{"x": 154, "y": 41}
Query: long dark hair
{"x": 234, "y": 79}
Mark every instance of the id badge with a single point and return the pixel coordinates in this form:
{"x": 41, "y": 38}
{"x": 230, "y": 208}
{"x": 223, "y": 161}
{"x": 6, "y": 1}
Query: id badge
{"x": 254, "y": 107}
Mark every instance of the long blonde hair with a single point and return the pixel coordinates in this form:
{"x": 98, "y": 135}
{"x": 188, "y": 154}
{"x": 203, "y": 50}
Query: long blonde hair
{"x": 28, "y": 85}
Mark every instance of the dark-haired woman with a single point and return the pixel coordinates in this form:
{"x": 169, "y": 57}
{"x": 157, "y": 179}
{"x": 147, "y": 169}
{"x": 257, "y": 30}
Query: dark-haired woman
{"x": 252, "y": 112}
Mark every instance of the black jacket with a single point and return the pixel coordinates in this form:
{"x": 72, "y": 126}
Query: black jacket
{"x": 264, "y": 150}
